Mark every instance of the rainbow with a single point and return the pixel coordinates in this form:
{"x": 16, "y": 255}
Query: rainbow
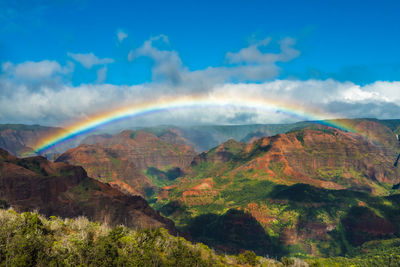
{"x": 291, "y": 109}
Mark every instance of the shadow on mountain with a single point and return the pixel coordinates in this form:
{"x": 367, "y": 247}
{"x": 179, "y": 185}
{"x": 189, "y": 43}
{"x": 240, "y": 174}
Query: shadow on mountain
{"x": 233, "y": 232}
{"x": 362, "y": 225}
{"x": 299, "y": 193}
{"x": 169, "y": 175}
{"x": 305, "y": 193}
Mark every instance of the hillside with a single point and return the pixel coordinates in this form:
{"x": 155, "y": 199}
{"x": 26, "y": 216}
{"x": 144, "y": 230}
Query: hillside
{"x": 28, "y": 239}
{"x": 64, "y": 190}
{"x": 19, "y": 139}
{"x": 315, "y": 190}
{"x": 318, "y": 155}
{"x": 393, "y": 125}
{"x": 277, "y": 220}
{"x": 133, "y": 161}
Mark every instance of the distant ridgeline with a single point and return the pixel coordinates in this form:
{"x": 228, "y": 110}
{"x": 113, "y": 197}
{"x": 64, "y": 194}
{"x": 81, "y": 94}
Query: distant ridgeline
{"x": 21, "y": 140}
{"x": 196, "y": 102}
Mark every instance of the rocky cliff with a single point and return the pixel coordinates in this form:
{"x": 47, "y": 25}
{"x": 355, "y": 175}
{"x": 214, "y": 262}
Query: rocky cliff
{"x": 20, "y": 139}
{"x": 64, "y": 190}
{"x": 122, "y": 160}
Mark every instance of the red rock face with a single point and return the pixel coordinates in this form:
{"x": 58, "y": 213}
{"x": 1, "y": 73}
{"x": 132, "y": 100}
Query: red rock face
{"x": 123, "y": 159}
{"x": 64, "y": 190}
{"x": 324, "y": 157}
{"x": 96, "y": 138}
{"x": 20, "y": 140}
{"x": 174, "y": 136}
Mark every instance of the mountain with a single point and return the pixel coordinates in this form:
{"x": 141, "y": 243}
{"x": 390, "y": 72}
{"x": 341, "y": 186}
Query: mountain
{"x": 205, "y": 137}
{"x": 393, "y": 125}
{"x": 296, "y": 219}
{"x": 95, "y": 138}
{"x": 317, "y": 155}
{"x": 133, "y": 161}
{"x": 315, "y": 190}
{"x": 19, "y": 139}
{"x": 64, "y": 190}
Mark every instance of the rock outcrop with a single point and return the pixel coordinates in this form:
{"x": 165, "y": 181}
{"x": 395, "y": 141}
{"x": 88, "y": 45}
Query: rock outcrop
{"x": 64, "y": 190}
{"x": 122, "y": 160}
{"x": 20, "y": 140}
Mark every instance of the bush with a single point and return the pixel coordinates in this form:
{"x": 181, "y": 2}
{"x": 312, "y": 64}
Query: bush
{"x": 28, "y": 239}
{"x": 248, "y": 257}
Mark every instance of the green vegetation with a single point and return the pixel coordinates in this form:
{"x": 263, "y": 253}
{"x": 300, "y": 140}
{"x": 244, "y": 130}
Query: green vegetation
{"x": 116, "y": 162}
{"x": 33, "y": 166}
{"x": 132, "y": 135}
{"x": 300, "y": 137}
{"x": 162, "y": 178}
{"x": 29, "y": 239}
{"x": 315, "y": 127}
{"x": 335, "y": 174}
{"x": 279, "y": 209}
{"x": 374, "y": 253}
{"x": 84, "y": 189}
{"x": 297, "y": 219}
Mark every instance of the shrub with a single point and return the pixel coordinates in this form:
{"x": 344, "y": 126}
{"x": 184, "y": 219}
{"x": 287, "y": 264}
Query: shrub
{"x": 248, "y": 257}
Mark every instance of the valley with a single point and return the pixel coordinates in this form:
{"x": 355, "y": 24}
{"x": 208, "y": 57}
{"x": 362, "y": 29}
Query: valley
{"x": 301, "y": 190}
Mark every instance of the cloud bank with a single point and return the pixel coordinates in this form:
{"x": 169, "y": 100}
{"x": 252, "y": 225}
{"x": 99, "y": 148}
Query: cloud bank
{"x": 249, "y": 72}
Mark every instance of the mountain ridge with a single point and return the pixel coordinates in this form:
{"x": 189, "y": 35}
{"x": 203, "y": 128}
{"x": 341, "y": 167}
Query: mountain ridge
{"x": 35, "y": 183}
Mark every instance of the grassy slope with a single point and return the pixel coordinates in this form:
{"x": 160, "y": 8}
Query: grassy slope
{"x": 29, "y": 239}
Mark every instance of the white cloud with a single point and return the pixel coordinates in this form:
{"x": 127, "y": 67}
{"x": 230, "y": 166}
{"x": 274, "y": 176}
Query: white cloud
{"x": 35, "y": 70}
{"x": 250, "y": 74}
{"x": 253, "y": 54}
{"x": 121, "y": 35}
{"x": 167, "y": 64}
{"x": 89, "y": 60}
{"x": 328, "y": 98}
{"x": 7, "y": 66}
{"x": 101, "y": 74}
{"x": 249, "y": 64}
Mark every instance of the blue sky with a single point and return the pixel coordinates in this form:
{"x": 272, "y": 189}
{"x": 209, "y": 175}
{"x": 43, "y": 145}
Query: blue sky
{"x": 47, "y": 46}
{"x": 347, "y": 40}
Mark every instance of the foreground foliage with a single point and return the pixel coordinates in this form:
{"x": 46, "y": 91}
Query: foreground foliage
{"x": 28, "y": 239}
{"x": 374, "y": 253}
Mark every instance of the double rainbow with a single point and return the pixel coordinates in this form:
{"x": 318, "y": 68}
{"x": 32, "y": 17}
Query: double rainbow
{"x": 269, "y": 105}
